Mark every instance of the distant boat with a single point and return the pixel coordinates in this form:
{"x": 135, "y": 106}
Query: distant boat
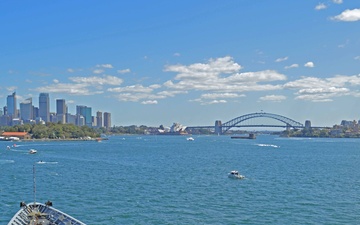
{"x": 235, "y": 175}
{"x": 190, "y": 139}
{"x": 32, "y": 151}
{"x": 251, "y": 136}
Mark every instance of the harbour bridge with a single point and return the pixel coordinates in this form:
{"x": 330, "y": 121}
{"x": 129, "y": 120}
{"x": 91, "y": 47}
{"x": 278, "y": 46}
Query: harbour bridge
{"x": 222, "y": 128}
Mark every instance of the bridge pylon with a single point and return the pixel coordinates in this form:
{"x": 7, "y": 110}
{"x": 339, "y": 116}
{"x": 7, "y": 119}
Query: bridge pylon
{"x": 218, "y": 127}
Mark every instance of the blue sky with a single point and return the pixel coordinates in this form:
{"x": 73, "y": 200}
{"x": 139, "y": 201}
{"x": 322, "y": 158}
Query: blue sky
{"x": 192, "y": 62}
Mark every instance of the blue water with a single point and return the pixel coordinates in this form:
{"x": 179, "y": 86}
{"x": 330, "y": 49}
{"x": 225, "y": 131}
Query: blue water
{"x": 169, "y": 180}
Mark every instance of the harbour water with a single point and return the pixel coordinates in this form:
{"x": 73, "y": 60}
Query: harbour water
{"x": 169, "y": 180}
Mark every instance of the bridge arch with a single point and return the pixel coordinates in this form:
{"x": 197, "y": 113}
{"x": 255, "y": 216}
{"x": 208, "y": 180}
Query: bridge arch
{"x": 236, "y": 121}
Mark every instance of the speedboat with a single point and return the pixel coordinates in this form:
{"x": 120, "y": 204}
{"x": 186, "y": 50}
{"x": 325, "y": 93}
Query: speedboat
{"x": 190, "y": 139}
{"x": 32, "y": 151}
{"x": 235, "y": 175}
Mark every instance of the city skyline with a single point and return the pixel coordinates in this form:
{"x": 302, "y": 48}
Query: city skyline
{"x": 156, "y": 63}
{"x": 27, "y": 112}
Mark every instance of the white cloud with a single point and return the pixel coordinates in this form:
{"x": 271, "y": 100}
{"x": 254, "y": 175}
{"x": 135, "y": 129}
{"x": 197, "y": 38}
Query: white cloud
{"x": 200, "y": 70}
{"x": 221, "y": 75}
{"x": 170, "y": 93}
{"x": 98, "y": 71}
{"x": 137, "y": 96}
{"x": 124, "y": 71}
{"x": 68, "y": 88}
{"x": 320, "y": 6}
{"x": 324, "y": 90}
{"x": 11, "y": 88}
{"x": 107, "y": 66}
{"x": 177, "y": 54}
{"x": 70, "y": 70}
{"x": 357, "y": 57}
{"x": 137, "y": 88}
{"x": 214, "y": 102}
{"x": 282, "y": 59}
{"x": 221, "y": 95}
{"x": 309, "y": 64}
{"x": 348, "y": 16}
{"x": 273, "y": 98}
{"x": 149, "y": 102}
{"x": 56, "y": 81}
{"x": 338, "y": 1}
{"x": 104, "y": 80}
{"x": 292, "y": 66}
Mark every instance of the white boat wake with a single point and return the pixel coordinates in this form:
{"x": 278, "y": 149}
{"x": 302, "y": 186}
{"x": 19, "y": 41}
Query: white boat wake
{"x": 43, "y": 162}
{"x": 268, "y": 145}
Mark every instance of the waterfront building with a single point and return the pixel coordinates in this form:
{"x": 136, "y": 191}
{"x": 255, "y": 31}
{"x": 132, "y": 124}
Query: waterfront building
{"x": 53, "y": 117}
{"x": 93, "y": 121}
{"x": 35, "y": 112}
{"x": 61, "y": 118}
{"x": 107, "y": 120}
{"x": 26, "y": 110}
{"x": 11, "y": 105}
{"x": 71, "y": 119}
{"x": 99, "y": 120}
{"x": 44, "y": 107}
{"x": 5, "y": 120}
{"x": 86, "y": 113}
{"x": 80, "y": 120}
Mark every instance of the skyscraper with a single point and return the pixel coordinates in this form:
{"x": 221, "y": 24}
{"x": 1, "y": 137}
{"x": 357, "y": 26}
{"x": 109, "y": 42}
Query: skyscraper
{"x": 60, "y": 106}
{"x": 44, "y": 107}
{"x": 107, "y": 120}
{"x": 11, "y": 105}
{"x": 99, "y": 122}
{"x": 26, "y": 110}
{"x": 86, "y": 113}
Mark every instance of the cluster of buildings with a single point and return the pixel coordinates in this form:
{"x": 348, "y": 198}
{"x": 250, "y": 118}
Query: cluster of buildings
{"x": 28, "y": 113}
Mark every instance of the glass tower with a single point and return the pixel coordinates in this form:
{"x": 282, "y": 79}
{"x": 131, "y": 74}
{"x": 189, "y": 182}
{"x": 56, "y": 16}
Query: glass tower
{"x": 26, "y": 110}
{"x": 11, "y": 105}
{"x": 44, "y": 107}
{"x": 86, "y": 113}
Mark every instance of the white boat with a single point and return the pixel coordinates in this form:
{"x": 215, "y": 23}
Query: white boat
{"x": 235, "y": 175}
{"x": 32, "y": 151}
{"x": 190, "y": 139}
{"x": 41, "y": 214}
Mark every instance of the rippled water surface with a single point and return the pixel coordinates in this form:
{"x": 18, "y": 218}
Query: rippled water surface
{"x": 169, "y": 180}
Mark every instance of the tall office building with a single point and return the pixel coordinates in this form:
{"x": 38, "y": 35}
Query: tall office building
{"x": 60, "y": 106}
{"x": 11, "y": 105}
{"x": 26, "y": 110}
{"x": 107, "y": 120}
{"x": 99, "y": 121}
{"x": 44, "y": 107}
{"x": 61, "y": 110}
{"x": 86, "y": 113}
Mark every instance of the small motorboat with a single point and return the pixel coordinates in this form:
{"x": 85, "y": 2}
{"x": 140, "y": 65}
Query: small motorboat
{"x": 190, "y": 139}
{"x": 235, "y": 175}
{"x": 32, "y": 151}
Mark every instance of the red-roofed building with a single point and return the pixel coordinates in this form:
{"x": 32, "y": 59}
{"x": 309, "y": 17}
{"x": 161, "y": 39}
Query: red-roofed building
{"x": 20, "y": 135}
